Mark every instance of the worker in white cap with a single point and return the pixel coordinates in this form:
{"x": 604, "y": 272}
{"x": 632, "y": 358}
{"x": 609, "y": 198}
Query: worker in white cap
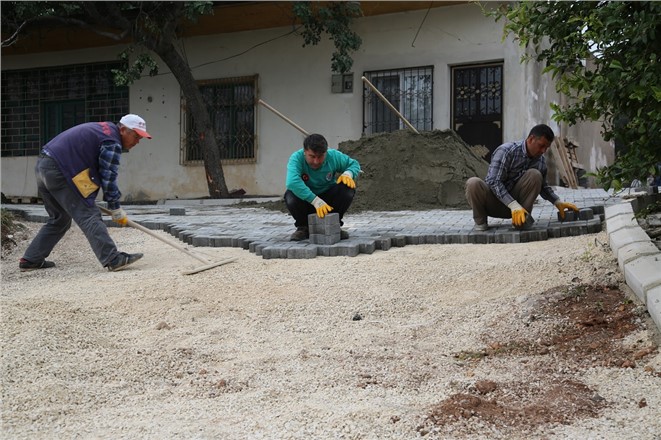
{"x": 71, "y": 169}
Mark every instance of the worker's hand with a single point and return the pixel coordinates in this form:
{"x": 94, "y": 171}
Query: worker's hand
{"x": 347, "y": 179}
{"x": 518, "y": 214}
{"x": 322, "y": 207}
{"x": 562, "y": 206}
{"x": 119, "y": 216}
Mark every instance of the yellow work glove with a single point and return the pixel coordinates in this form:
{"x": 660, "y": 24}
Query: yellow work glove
{"x": 518, "y": 214}
{"x": 322, "y": 207}
{"x": 347, "y": 179}
{"x": 562, "y": 206}
{"x": 119, "y": 216}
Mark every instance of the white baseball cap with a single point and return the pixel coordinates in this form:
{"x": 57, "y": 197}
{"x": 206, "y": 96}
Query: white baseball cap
{"x": 135, "y": 123}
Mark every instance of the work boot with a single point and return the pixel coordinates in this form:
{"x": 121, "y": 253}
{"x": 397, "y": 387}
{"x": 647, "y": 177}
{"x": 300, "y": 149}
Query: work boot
{"x": 122, "y": 260}
{"x": 26, "y": 265}
{"x": 302, "y": 233}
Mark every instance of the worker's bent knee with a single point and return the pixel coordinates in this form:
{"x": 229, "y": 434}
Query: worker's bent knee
{"x": 473, "y": 183}
{"x": 534, "y": 174}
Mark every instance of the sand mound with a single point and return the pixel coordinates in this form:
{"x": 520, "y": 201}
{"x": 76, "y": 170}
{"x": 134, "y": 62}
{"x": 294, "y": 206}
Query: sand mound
{"x": 404, "y": 170}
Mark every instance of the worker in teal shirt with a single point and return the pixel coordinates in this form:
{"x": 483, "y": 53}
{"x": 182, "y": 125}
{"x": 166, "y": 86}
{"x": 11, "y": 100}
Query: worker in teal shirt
{"x": 319, "y": 180}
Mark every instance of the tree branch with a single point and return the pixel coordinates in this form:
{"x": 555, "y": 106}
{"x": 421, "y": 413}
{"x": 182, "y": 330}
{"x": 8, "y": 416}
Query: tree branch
{"x": 63, "y": 21}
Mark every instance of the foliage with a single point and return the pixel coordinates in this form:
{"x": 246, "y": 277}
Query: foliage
{"x": 9, "y": 228}
{"x": 335, "y": 19}
{"x": 605, "y": 57}
{"x": 650, "y": 209}
{"x": 133, "y": 72}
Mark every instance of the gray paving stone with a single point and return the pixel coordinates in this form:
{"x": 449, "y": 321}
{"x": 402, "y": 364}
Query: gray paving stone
{"x": 383, "y": 244}
{"x": 329, "y": 225}
{"x": 347, "y": 250}
{"x": 398, "y": 241}
{"x": 325, "y": 238}
{"x": 366, "y": 246}
{"x": 595, "y": 225}
{"x": 507, "y": 237}
{"x": 413, "y": 239}
{"x": 570, "y": 216}
{"x": 598, "y": 210}
{"x": 585, "y": 214}
{"x": 325, "y": 250}
{"x": 200, "y": 241}
{"x": 478, "y": 237}
{"x": 302, "y": 252}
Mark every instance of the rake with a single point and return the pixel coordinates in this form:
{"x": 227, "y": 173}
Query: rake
{"x": 208, "y": 264}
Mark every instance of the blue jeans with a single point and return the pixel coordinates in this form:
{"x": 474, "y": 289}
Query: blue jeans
{"x": 63, "y": 204}
{"x": 339, "y": 197}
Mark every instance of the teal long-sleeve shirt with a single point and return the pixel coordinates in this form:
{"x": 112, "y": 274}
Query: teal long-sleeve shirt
{"x": 306, "y": 183}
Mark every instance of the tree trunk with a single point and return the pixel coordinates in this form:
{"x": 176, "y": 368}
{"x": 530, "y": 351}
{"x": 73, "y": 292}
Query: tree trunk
{"x": 210, "y": 152}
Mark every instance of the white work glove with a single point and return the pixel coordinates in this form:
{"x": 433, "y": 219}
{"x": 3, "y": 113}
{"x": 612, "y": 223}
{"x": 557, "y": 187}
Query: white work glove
{"x": 322, "y": 207}
{"x": 119, "y": 216}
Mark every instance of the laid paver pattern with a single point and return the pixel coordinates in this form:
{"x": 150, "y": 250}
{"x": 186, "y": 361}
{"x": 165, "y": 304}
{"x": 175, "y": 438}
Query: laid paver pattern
{"x": 210, "y": 223}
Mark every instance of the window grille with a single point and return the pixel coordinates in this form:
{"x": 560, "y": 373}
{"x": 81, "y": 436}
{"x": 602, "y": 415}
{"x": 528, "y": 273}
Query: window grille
{"x": 38, "y": 104}
{"x": 231, "y": 106}
{"x": 477, "y": 104}
{"x": 409, "y": 90}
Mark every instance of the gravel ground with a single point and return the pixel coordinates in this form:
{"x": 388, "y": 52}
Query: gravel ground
{"x": 354, "y": 348}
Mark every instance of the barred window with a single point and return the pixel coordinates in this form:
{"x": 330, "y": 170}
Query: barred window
{"x": 409, "y": 90}
{"x": 38, "y": 104}
{"x": 231, "y": 106}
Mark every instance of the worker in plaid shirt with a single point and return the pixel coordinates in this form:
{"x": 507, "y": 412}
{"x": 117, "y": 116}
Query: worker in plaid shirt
{"x": 516, "y": 176}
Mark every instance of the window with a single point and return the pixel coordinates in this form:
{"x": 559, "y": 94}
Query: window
{"x": 409, "y": 90}
{"x": 59, "y": 116}
{"x": 477, "y": 105}
{"x": 38, "y": 104}
{"x": 231, "y": 106}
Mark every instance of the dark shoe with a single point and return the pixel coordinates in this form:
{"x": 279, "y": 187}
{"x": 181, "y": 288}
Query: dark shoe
{"x": 301, "y": 233}
{"x": 481, "y": 227}
{"x": 26, "y": 265}
{"x": 343, "y": 234}
{"x": 122, "y": 260}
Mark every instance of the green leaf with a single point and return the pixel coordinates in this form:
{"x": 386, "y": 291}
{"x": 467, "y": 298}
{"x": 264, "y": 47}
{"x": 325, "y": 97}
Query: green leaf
{"x": 615, "y": 64}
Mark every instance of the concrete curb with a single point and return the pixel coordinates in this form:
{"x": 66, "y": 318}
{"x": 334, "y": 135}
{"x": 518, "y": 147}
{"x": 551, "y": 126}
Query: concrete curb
{"x": 639, "y": 259}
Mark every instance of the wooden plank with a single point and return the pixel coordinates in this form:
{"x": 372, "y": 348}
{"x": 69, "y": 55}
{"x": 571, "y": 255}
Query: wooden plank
{"x": 564, "y": 155}
{"x": 559, "y": 162}
{"x": 565, "y": 165}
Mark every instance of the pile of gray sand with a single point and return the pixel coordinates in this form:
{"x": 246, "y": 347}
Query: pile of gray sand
{"x": 403, "y": 170}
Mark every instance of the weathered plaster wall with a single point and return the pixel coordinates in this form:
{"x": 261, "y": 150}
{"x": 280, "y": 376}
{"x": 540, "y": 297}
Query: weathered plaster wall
{"x": 297, "y": 82}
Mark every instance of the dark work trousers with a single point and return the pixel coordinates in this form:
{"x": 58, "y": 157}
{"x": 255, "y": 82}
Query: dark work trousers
{"x": 485, "y": 203}
{"x": 63, "y": 203}
{"x": 339, "y": 197}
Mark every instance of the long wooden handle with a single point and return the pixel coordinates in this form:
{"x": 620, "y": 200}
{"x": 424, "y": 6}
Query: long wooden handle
{"x": 163, "y": 239}
{"x": 285, "y": 118}
{"x": 385, "y": 100}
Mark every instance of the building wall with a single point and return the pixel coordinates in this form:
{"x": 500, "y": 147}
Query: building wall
{"x": 297, "y": 82}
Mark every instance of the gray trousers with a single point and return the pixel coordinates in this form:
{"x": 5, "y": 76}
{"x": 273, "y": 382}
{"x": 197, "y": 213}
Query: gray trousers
{"x": 485, "y": 203}
{"x": 63, "y": 204}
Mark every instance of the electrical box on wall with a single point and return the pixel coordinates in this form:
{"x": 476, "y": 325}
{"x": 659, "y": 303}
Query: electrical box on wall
{"x": 342, "y": 83}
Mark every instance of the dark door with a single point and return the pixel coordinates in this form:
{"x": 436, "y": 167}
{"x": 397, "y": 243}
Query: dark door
{"x": 477, "y": 105}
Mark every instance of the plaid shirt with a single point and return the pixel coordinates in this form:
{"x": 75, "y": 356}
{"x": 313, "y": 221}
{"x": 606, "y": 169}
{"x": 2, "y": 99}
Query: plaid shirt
{"x": 108, "y": 167}
{"x": 508, "y": 164}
